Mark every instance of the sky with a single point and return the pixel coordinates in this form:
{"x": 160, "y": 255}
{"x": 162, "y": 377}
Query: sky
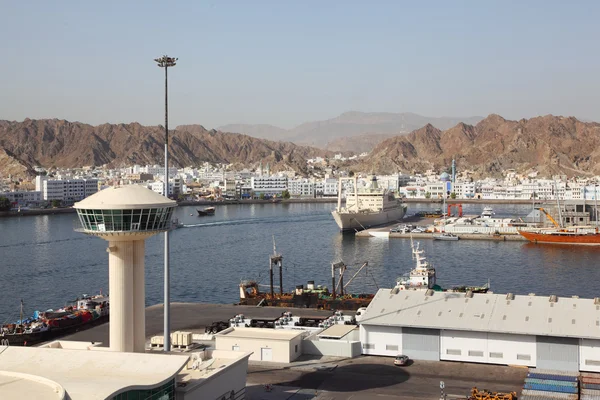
{"x": 288, "y": 62}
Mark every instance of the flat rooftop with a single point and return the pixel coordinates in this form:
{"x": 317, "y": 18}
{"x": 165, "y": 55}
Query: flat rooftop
{"x": 336, "y": 331}
{"x": 84, "y": 374}
{"x": 261, "y": 333}
{"x": 14, "y": 385}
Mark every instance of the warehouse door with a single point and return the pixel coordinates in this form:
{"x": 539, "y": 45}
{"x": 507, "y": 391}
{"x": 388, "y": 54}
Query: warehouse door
{"x": 589, "y": 355}
{"x": 557, "y": 353}
{"x": 421, "y": 344}
{"x": 266, "y": 354}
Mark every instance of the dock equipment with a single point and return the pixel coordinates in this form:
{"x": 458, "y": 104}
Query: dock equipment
{"x": 487, "y": 395}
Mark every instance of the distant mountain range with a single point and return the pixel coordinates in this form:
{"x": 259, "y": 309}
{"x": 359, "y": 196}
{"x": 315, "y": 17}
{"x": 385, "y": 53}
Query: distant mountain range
{"x": 325, "y": 134}
{"x": 548, "y": 144}
{"x": 59, "y": 143}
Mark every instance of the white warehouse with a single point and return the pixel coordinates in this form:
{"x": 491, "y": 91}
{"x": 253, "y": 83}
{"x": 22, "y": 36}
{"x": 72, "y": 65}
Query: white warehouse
{"x": 559, "y": 333}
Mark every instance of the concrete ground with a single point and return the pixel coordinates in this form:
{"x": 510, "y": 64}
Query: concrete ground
{"x": 370, "y": 377}
{"x": 192, "y": 317}
{"x": 329, "y": 378}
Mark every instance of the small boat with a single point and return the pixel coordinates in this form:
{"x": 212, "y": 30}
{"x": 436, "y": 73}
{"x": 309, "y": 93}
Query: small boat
{"x": 487, "y": 212}
{"x": 446, "y": 236}
{"x": 175, "y": 224}
{"x": 206, "y": 211}
{"x": 83, "y": 313}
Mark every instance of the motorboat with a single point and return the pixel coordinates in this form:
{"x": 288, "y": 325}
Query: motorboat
{"x": 206, "y": 211}
{"x": 446, "y": 236}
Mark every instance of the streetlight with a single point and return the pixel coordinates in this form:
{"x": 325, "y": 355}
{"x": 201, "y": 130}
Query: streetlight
{"x": 166, "y": 62}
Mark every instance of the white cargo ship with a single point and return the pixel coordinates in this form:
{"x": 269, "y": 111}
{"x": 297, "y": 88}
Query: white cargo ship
{"x": 367, "y": 208}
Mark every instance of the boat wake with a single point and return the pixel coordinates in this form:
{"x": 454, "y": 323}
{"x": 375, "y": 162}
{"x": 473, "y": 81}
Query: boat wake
{"x": 21, "y": 244}
{"x": 274, "y": 220}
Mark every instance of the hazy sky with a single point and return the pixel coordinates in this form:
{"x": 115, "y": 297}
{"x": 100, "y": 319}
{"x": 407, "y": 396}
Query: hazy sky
{"x": 288, "y": 62}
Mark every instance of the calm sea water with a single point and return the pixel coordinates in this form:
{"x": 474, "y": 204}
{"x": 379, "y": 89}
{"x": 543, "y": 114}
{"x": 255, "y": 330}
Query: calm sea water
{"x": 44, "y": 262}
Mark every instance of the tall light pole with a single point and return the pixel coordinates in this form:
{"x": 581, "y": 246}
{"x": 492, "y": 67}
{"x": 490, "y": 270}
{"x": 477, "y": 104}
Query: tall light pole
{"x": 166, "y": 62}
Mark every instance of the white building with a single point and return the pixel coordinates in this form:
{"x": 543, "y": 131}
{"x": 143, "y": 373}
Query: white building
{"x": 301, "y": 187}
{"x": 275, "y": 345}
{"x": 175, "y": 187}
{"x": 66, "y": 190}
{"x": 330, "y": 187}
{"x": 268, "y": 185}
{"x": 156, "y": 170}
{"x": 535, "y": 331}
{"x": 23, "y": 197}
{"x": 86, "y": 372}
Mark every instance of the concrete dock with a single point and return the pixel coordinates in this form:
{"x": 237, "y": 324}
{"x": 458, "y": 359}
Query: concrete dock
{"x": 462, "y": 236}
{"x": 193, "y": 317}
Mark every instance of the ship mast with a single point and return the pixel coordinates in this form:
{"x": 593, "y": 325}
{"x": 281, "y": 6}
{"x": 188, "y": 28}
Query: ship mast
{"x": 21, "y": 314}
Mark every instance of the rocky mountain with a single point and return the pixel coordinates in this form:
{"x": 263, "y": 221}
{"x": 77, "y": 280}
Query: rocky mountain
{"x": 60, "y": 143}
{"x": 548, "y": 144}
{"x": 349, "y": 124}
{"x": 357, "y": 144}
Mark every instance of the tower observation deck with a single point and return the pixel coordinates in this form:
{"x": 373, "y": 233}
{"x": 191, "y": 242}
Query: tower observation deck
{"x": 126, "y": 216}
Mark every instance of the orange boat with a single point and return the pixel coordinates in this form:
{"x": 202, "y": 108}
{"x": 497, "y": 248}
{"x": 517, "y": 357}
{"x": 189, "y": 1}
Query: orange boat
{"x": 563, "y": 236}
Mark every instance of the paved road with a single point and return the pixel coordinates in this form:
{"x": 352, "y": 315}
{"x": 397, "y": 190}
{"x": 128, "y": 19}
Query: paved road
{"x": 371, "y": 377}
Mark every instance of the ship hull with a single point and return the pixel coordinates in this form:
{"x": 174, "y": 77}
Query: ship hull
{"x": 360, "y": 221}
{"x": 582, "y": 240}
{"x": 29, "y": 339}
{"x": 310, "y": 301}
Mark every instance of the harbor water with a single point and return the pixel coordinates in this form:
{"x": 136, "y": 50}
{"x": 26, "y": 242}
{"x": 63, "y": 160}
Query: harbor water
{"x": 45, "y": 262}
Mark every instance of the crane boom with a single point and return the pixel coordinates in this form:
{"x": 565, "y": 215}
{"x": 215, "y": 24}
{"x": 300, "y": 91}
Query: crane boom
{"x": 354, "y": 276}
{"x": 550, "y": 217}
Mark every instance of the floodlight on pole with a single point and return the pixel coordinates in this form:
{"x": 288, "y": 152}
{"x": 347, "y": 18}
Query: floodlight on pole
{"x": 166, "y": 62}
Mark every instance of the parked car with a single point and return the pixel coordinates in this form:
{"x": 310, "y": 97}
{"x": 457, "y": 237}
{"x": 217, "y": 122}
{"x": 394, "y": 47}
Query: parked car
{"x": 401, "y": 360}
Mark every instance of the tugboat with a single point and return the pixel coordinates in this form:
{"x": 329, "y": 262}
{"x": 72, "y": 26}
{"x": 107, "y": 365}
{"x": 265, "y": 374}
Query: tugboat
{"x": 423, "y": 277}
{"x": 86, "y": 312}
{"x": 206, "y": 211}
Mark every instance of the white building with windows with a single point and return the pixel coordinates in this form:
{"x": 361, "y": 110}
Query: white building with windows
{"x": 66, "y": 190}
{"x": 269, "y": 185}
{"x": 175, "y": 187}
{"x": 301, "y": 188}
{"x": 330, "y": 187}
{"x": 23, "y": 197}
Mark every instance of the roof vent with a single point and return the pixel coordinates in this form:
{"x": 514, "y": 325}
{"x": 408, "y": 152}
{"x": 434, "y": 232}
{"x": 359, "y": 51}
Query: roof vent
{"x": 429, "y": 292}
{"x": 597, "y": 300}
{"x": 510, "y": 296}
{"x": 553, "y": 299}
{"x": 469, "y": 294}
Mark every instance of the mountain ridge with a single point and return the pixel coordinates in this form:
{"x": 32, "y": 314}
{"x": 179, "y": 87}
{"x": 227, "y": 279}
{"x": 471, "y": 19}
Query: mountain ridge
{"x": 548, "y": 144}
{"x": 60, "y": 143}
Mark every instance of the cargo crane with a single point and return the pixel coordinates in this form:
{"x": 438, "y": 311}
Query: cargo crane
{"x": 556, "y": 224}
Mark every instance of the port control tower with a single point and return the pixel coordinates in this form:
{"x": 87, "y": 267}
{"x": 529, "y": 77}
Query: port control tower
{"x": 126, "y": 216}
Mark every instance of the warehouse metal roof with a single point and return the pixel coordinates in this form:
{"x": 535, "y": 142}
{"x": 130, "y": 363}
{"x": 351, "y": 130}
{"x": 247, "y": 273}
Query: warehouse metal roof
{"x": 501, "y": 313}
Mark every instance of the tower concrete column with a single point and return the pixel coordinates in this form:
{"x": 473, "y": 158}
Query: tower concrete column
{"x": 120, "y": 273}
{"x": 139, "y": 297}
